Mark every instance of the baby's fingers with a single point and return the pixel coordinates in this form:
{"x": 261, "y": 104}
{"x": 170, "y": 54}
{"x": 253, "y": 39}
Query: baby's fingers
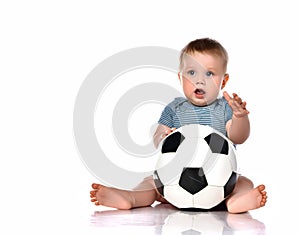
{"x": 169, "y": 131}
{"x": 237, "y": 99}
{"x": 226, "y": 96}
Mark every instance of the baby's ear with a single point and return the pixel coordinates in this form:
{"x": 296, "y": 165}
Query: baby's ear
{"x": 179, "y": 77}
{"x": 225, "y": 79}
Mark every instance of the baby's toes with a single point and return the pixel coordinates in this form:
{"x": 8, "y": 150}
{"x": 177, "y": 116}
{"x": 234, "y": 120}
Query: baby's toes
{"x": 97, "y": 203}
{"x": 95, "y": 186}
{"x": 93, "y": 193}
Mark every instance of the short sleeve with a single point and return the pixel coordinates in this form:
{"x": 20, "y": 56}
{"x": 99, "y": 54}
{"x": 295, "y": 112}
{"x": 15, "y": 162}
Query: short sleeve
{"x": 167, "y": 117}
{"x": 228, "y": 112}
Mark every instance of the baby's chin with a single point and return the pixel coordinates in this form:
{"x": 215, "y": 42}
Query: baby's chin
{"x": 198, "y": 102}
{"x": 201, "y": 102}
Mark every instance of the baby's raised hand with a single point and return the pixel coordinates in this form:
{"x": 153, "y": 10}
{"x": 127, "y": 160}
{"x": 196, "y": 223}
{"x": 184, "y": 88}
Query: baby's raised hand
{"x": 237, "y": 105}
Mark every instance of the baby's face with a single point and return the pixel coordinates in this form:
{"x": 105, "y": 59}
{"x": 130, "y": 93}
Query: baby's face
{"x": 202, "y": 77}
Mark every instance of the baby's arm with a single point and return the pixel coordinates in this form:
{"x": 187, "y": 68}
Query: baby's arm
{"x": 238, "y": 128}
{"x": 161, "y": 132}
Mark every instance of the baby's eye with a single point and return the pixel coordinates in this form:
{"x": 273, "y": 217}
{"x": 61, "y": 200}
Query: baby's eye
{"x": 191, "y": 73}
{"x": 209, "y": 74}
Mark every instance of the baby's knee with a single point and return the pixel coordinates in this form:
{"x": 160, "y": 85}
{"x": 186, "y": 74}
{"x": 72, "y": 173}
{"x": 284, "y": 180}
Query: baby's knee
{"x": 244, "y": 180}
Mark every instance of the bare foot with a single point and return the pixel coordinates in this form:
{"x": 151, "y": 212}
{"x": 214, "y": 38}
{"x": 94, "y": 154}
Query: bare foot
{"x": 110, "y": 197}
{"x": 253, "y": 199}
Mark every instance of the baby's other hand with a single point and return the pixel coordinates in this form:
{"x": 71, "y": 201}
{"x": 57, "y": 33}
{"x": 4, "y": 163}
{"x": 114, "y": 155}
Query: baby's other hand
{"x": 168, "y": 131}
{"x": 237, "y": 105}
{"x": 161, "y": 132}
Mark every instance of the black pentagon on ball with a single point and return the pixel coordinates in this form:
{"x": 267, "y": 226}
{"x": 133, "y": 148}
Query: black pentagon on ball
{"x": 217, "y": 143}
{"x": 192, "y": 179}
{"x": 172, "y": 142}
{"x": 229, "y": 186}
{"x": 159, "y": 185}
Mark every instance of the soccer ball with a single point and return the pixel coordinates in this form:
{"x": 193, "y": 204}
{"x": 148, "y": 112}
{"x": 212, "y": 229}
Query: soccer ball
{"x": 196, "y": 167}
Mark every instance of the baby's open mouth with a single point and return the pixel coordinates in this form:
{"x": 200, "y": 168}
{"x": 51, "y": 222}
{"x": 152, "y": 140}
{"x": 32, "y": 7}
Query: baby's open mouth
{"x": 199, "y": 92}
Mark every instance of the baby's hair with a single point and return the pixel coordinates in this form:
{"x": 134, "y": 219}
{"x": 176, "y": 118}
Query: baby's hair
{"x": 205, "y": 45}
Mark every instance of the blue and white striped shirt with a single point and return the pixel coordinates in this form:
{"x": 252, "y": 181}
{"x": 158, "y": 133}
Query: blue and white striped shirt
{"x": 181, "y": 112}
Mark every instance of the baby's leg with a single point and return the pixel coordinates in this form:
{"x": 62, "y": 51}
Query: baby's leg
{"x": 244, "y": 197}
{"x": 148, "y": 184}
{"x": 123, "y": 199}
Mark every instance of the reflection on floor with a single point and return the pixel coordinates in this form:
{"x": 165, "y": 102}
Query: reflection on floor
{"x": 165, "y": 219}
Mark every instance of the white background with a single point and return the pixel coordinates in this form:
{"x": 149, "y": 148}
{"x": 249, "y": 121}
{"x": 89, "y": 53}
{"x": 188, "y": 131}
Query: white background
{"x": 48, "y": 48}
